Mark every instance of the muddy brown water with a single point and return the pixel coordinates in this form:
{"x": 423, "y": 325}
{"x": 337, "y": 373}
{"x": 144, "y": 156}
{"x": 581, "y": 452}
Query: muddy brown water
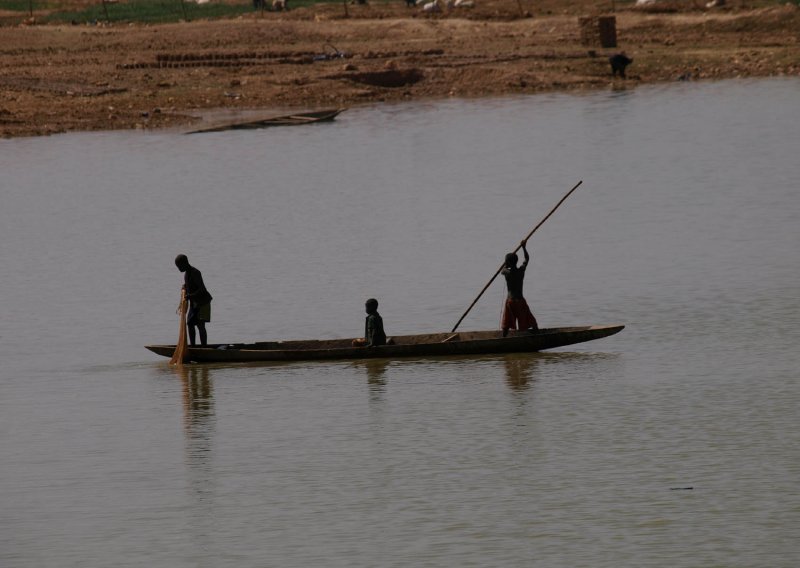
{"x": 673, "y": 443}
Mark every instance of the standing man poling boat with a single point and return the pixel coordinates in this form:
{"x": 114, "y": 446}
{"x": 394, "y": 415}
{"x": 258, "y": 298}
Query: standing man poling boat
{"x": 516, "y": 314}
{"x": 199, "y": 299}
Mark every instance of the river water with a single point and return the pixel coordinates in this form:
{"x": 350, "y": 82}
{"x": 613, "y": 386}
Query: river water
{"x": 674, "y": 443}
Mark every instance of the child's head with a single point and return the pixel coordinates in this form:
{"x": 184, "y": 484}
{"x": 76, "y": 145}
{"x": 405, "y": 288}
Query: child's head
{"x": 511, "y": 260}
{"x": 371, "y": 305}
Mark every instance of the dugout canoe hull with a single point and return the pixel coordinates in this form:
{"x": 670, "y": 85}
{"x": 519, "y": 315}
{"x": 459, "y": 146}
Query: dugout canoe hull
{"x": 422, "y": 345}
{"x": 286, "y": 120}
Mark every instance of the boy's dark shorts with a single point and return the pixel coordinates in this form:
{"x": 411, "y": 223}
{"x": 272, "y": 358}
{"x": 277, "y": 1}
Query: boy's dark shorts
{"x": 199, "y": 314}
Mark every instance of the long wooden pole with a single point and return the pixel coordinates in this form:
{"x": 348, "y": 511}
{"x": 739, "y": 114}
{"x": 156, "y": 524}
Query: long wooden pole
{"x": 553, "y": 210}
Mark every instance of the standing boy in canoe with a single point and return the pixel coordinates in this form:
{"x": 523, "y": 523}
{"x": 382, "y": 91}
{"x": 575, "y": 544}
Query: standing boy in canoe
{"x": 199, "y": 299}
{"x": 516, "y": 314}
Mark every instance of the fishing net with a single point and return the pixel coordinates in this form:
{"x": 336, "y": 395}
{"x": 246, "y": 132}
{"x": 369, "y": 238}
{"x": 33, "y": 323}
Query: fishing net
{"x": 180, "y": 348}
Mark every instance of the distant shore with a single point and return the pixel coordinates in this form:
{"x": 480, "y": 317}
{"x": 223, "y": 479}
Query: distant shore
{"x": 71, "y": 78}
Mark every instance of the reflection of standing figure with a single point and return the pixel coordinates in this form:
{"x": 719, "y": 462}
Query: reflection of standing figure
{"x": 198, "y": 397}
{"x": 519, "y": 371}
{"x": 517, "y": 314}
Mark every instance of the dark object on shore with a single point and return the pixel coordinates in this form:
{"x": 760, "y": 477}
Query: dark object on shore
{"x": 425, "y": 345}
{"x": 330, "y": 54}
{"x": 598, "y": 30}
{"x": 386, "y": 78}
{"x": 287, "y": 120}
{"x": 619, "y": 62}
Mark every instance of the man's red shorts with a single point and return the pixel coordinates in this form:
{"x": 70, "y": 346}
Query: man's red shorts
{"x": 517, "y": 315}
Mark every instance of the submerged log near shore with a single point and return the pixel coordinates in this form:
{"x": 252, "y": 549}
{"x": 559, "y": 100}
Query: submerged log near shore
{"x": 59, "y": 78}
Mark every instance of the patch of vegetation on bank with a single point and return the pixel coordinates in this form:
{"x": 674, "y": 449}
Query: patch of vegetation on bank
{"x": 148, "y": 11}
{"x": 13, "y": 12}
{"x": 136, "y": 11}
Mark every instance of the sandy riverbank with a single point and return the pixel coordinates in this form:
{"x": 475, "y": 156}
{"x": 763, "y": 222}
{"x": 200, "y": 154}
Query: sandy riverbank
{"x": 72, "y": 78}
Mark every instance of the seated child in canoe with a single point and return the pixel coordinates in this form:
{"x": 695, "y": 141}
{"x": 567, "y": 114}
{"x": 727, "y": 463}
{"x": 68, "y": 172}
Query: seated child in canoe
{"x": 374, "y": 335}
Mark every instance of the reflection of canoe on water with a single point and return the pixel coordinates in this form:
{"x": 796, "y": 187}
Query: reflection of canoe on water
{"x": 425, "y": 345}
{"x": 287, "y": 120}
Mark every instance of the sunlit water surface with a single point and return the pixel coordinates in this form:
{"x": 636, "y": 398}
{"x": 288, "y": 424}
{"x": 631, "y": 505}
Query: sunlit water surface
{"x": 674, "y": 443}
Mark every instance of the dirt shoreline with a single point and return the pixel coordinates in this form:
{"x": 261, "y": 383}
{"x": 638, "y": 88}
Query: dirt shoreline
{"x": 57, "y": 79}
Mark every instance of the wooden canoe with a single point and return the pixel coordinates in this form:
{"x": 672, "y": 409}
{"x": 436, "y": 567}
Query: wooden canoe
{"x": 286, "y": 120}
{"x": 424, "y": 345}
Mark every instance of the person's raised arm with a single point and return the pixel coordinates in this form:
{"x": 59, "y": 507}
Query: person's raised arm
{"x": 525, "y": 252}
